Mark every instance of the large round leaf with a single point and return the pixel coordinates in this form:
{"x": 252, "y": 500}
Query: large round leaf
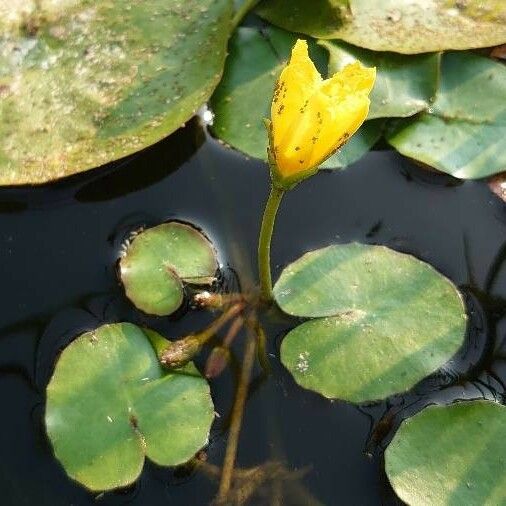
{"x": 404, "y": 85}
{"x": 451, "y": 456}
{"x": 109, "y": 403}
{"x": 463, "y": 132}
{"x": 403, "y": 26}
{"x": 159, "y": 260}
{"x": 83, "y": 83}
{"x": 385, "y": 321}
{"x": 242, "y": 100}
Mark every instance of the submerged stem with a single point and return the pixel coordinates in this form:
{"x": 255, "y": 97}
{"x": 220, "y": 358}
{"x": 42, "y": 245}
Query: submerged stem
{"x": 229, "y": 314}
{"x": 236, "y": 420}
{"x": 264, "y": 242}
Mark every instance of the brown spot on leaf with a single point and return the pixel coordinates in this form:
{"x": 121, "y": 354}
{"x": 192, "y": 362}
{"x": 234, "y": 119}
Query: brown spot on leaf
{"x": 497, "y": 184}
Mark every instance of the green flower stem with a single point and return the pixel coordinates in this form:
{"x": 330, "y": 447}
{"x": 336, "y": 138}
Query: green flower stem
{"x": 264, "y": 242}
{"x": 242, "y": 11}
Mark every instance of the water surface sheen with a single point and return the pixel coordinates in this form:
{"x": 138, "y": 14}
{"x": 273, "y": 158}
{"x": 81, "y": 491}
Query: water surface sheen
{"x": 58, "y": 246}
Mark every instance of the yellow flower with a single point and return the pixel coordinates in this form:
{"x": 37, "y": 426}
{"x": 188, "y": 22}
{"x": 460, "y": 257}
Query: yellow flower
{"x": 311, "y": 117}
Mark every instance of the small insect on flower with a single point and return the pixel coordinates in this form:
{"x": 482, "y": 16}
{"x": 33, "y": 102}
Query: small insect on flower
{"x": 311, "y": 117}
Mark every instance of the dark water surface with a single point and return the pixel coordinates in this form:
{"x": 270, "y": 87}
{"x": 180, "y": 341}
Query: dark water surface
{"x": 58, "y": 247}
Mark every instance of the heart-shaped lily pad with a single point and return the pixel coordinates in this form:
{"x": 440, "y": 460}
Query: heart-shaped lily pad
{"x": 83, "y": 83}
{"x": 242, "y": 100}
{"x": 463, "y": 132}
{"x": 385, "y": 320}
{"x": 403, "y": 26}
{"x": 404, "y": 84}
{"x": 451, "y": 456}
{"x": 159, "y": 260}
{"x": 110, "y": 404}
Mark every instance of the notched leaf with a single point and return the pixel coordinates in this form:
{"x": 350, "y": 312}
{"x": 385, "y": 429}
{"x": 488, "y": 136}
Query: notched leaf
{"x": 159, "y": 260}
{"x": 110, "y": 404}
{"x": 85, "y": 83}
{"x": 382, "y": 321}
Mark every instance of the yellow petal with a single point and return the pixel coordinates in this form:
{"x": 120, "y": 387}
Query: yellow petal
{"x": 311, "y": 118}
{"x": 339, "y": 123}
{"x": 352, "y": 79}
{"x": 295, "y": 84}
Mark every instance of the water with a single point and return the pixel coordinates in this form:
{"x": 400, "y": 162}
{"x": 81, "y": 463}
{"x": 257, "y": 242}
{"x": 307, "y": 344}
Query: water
{"x": 58, "y": 248}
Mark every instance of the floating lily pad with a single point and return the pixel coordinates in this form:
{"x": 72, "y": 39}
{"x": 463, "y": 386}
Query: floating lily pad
{"x": 110, "y": 404}
{"x": 451, "y": 455}
{"x": 463, "y": 132}
{"x": 159, "y": 260}
{"x": 404, "y": 85}
{"x": 385, "y": 320}
{"x": 243, "y": 99}
{"x": 83, "y": 83}
{"x": 403, "y": 26}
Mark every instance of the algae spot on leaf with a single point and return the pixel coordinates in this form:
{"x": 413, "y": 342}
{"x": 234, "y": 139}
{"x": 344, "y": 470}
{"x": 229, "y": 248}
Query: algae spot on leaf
{"x": 383, "y": 321}
{"x": 450, "y": 455}
{"x": 110, "y": 404}
{"x": 160, "y": 260}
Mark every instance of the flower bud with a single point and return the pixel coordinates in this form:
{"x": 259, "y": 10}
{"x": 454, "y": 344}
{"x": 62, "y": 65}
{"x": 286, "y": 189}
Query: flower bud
{"x": 311, "y": 117}
{"x": 217, "y": 361}
{"x": 179, "y": 353}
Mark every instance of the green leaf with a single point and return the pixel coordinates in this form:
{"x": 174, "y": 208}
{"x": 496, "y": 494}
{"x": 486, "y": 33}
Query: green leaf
{"x": 243, "y": 98}
{"x": 317, "y": 18}
{"x": 159, "y": 260}
{"x": 385, "y": 321}
{"x": 463, "y": 132}
{"x": 403, "y": 26}
{"x": 404, "y": 85}
{"x": 451, "y": 456}
{"x": 109, "y": 404}
{"x": 83, "y": 83}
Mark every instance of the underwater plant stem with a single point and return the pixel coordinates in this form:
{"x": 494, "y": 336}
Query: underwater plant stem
{"x": 262, "y": 348}
{"x": 242, "y": 11}
{"x": 236, "y": 419}
{"x": 264, "y": 242}
{"x": 229, "y": 314}
{"x": 175, "y": 354}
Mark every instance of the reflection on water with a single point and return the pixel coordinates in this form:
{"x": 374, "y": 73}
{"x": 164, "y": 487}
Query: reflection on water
{"x": 58, "y": 248}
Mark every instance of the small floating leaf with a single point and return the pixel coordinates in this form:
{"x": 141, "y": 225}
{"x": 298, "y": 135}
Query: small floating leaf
{"x": 450, "y": 455}
{"x": 403, "y": 26}
{"x": 83, "y": 83}
{"x": 404, "y": 85}
{"x": 243, "y": 99}
{"x": 110, "y": 404}
{"x": 463, "y": 132}
{"x": 159, "y": 260}
{"x": 385, "y": 321}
